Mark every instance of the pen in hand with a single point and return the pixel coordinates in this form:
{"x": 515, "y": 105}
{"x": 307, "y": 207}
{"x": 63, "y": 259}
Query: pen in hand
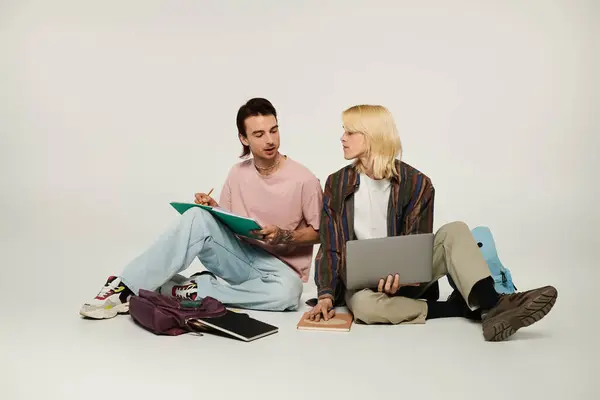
{"x": 204, "y": 199}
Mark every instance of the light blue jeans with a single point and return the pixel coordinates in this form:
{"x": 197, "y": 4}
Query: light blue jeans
{"x": 254, "y": 278}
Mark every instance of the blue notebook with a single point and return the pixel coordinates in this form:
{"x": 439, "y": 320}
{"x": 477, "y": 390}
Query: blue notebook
{"x": 241, "y": 225}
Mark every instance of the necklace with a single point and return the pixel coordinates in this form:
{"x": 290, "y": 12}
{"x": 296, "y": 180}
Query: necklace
{"x": 269, "y": 167}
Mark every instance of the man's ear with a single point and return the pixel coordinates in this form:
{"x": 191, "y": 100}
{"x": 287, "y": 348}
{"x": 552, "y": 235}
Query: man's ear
{"x": 244, "y": 140}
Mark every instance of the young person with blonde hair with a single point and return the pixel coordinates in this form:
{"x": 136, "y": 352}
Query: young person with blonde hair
{"x": 379, "y": 195}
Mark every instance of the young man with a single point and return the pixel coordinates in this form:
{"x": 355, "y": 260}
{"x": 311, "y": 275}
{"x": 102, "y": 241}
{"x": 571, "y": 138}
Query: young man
{"x": 264, "y": 273}
{"x": 379, "y": 195}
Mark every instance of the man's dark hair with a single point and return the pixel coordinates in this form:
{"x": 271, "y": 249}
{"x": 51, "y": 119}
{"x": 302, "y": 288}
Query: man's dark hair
{"x": 254, "y": 107}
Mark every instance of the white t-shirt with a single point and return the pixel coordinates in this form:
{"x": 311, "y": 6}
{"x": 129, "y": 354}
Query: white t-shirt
{"x": 371, "y": 207}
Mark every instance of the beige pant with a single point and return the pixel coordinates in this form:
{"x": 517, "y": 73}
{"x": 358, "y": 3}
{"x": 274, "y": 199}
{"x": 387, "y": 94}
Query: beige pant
{"x": 455, "y": 252}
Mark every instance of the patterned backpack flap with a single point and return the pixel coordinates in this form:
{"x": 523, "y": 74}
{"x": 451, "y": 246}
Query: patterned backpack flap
{"x": 502, "y": 277}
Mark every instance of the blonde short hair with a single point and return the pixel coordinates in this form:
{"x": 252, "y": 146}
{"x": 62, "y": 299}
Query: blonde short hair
{"x": 383, "y": 142}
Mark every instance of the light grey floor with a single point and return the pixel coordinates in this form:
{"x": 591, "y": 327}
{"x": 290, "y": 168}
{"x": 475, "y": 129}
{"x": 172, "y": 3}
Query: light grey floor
{"x": 110, "y": 110}
{"x": 48, "y": 352}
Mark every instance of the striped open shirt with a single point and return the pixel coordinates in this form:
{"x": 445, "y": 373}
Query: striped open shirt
{"x": 410, "y": 211}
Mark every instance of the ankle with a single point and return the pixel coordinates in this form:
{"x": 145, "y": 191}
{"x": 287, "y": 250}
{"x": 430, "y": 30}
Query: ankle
{"x": 484, "y": 295}
{"x": 442, "y": 309}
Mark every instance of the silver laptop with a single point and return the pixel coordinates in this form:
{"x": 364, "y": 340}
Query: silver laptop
{"x": 369, "y": 260}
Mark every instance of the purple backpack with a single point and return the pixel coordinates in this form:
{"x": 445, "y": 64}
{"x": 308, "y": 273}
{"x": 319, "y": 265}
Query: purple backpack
{"x": 164, "y": 315}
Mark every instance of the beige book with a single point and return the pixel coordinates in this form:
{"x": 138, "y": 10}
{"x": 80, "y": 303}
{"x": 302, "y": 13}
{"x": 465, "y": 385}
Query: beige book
{"x": 340, "y": 322}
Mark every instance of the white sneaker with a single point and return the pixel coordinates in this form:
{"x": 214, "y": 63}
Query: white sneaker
{"x": 113, "y": 299}
{"x": 183, "y": 288}
{"x": 180, "y": 288}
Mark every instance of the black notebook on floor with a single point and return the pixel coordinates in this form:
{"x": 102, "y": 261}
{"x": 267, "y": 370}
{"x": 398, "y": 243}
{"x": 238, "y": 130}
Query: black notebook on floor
{"x": 237, "y": 325}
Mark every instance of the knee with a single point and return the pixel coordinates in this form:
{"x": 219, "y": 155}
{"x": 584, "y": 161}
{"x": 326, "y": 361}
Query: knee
{"x": 196, "y": 217}
{"x": 195, "y": 213}
{"x": 453, "y": 229}
{"x": 286, "y": 295}
{"x": 456, "y": 226}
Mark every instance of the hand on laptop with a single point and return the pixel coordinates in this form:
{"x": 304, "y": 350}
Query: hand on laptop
{"x": 391, "y": 285}
{"x": 324, "y": 308}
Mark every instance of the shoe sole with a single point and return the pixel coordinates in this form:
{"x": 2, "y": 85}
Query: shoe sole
{"x": 106, "y": 313}
{"x": 530, "y": 313}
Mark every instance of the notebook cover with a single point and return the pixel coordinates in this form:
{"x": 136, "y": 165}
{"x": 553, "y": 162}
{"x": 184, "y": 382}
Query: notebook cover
{"x": 340, "y": 322}
{"x": 238, "y": 224}
{"x": 240, "y": 325}
{"x": 183, "y": 207}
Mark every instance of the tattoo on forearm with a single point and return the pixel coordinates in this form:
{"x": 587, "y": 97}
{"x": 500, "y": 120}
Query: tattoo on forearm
{"x": 284, "y": 237}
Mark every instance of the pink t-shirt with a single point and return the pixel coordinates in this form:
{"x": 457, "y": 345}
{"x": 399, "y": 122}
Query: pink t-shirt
{"x": 291, "y": 198}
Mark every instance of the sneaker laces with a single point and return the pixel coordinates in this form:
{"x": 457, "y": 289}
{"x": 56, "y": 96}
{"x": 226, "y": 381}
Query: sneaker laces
{"x": 107, "y": 288}
{"x": 185, "y": 291}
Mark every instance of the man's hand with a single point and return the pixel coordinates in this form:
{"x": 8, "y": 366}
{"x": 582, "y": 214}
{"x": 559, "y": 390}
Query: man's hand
{"x": 391, "y": 285}
{"x": 324, "y": 308}
{"x": 274, "y": 235}
{"x": 205, "y": 200}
